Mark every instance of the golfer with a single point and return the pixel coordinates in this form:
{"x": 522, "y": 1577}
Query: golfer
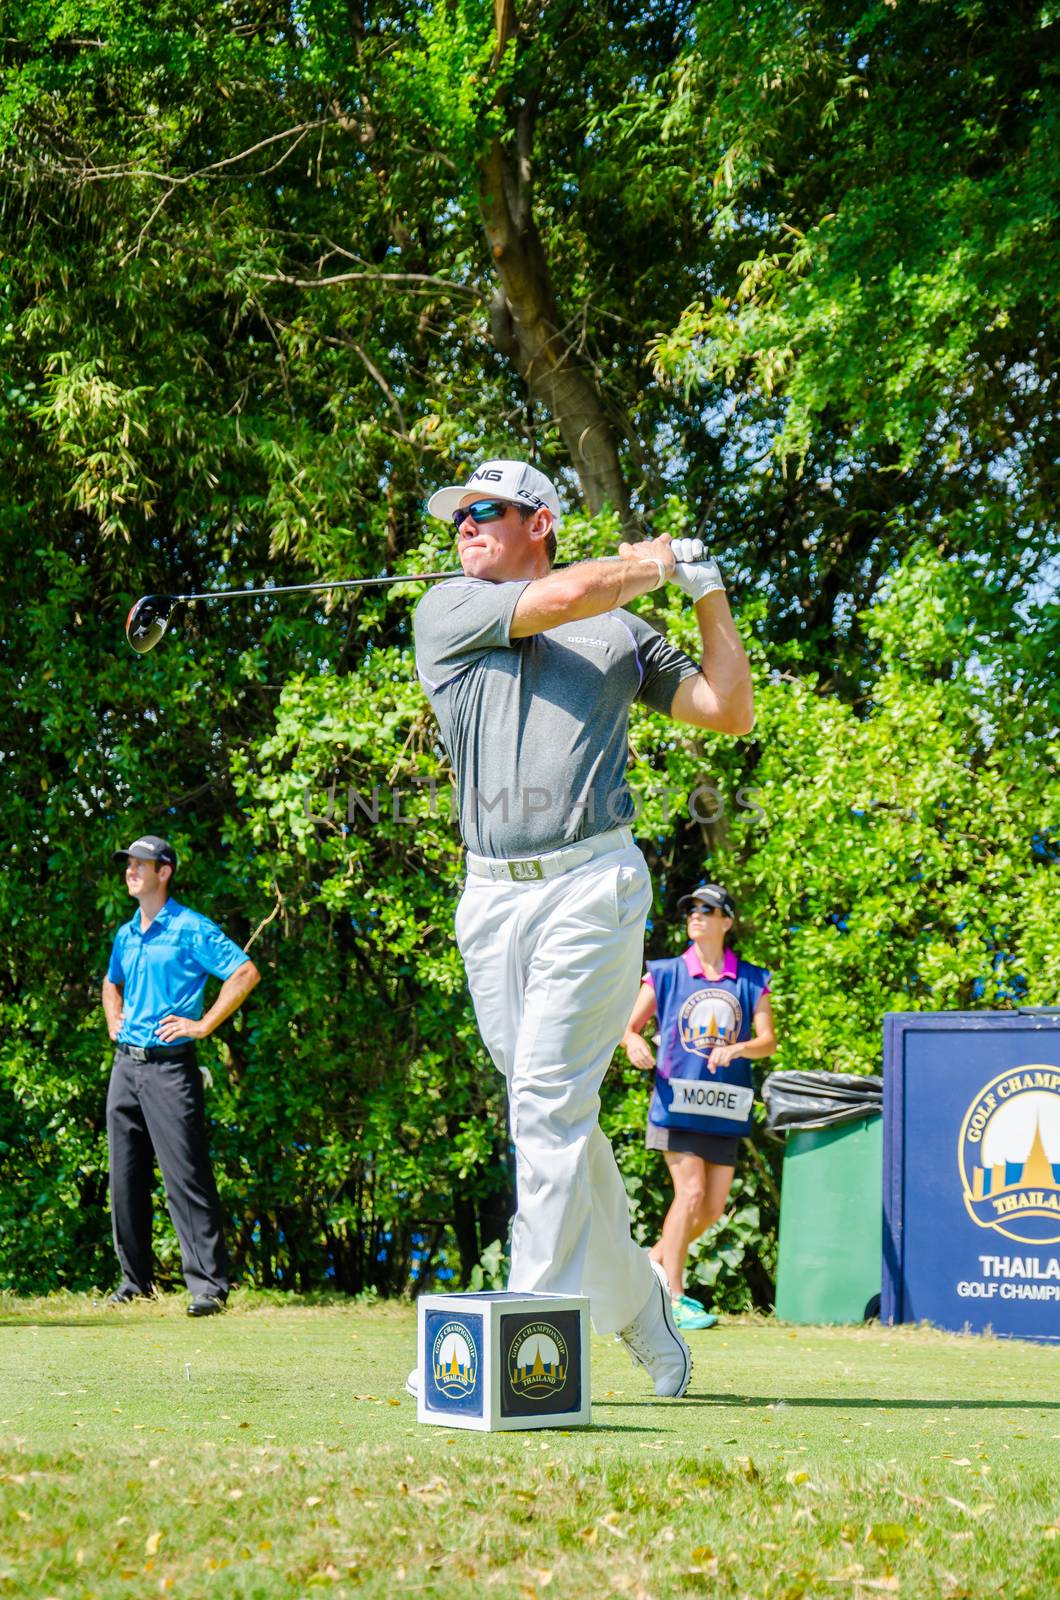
{"x": 531, "y": 674}
{"x": 706, "y": 1002}
{"x": 152, "y": 998}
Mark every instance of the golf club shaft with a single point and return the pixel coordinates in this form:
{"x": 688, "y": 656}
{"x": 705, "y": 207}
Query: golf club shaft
{"x": 308, "y": 588}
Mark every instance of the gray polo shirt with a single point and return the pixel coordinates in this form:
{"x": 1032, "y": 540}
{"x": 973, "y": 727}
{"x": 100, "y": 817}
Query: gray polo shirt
{"x": 537, "y": 729}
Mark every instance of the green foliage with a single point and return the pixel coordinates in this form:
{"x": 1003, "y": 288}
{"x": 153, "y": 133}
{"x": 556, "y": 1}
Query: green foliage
{"x": 904, "y": 250}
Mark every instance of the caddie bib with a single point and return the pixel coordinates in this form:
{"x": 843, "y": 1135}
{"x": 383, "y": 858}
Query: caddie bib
{"x": 695, "y": 1013}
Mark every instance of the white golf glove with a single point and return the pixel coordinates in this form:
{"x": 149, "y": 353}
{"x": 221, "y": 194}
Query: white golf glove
{"x": 696, "y": 573}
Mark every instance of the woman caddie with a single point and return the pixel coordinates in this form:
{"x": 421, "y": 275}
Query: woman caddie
{"x": 708, "y": 1003}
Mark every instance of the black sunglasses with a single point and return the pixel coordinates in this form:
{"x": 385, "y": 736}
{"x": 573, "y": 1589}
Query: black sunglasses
{"x": 480, "y": 511}
{"x": 704, "y": 911}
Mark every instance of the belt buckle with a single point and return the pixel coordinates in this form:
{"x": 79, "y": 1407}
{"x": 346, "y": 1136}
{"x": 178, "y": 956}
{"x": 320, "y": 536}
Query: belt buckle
{"x": 525, "y": 871}
{"x": 136, "y": 1051}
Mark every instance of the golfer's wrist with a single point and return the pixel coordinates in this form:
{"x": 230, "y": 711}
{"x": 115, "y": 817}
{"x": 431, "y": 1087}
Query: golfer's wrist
{"x": 655, "y": 570}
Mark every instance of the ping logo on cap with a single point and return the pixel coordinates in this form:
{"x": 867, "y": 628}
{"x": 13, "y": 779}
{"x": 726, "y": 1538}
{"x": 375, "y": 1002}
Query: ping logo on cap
{"x": 496, "y": 475}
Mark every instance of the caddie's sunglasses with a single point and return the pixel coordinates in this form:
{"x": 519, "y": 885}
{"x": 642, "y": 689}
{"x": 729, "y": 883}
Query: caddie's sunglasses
{"x": 480, "y": 511}
{"x": 705, "y": 911}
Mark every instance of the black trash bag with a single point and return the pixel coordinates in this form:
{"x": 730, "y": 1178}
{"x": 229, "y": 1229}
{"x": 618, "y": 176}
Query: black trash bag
{"x": 819, "y": 1099}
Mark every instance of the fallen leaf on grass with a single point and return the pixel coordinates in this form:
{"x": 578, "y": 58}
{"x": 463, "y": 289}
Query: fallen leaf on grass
{"x": 610, "y": 1522}
{"x": 314, "y": 1499}
{"x": 433, "y": 1491}
{"x": 704, "y": 1563}
{"x": 887, "y": 1535}
{"x": 152, "y": 1543}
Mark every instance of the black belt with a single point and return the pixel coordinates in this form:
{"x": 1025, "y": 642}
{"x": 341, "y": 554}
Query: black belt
{"x": 156, "y": 1052}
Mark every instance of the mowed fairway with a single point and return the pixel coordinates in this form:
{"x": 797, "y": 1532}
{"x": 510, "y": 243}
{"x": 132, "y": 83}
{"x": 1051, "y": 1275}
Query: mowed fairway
{"x": 272, "y": 1452}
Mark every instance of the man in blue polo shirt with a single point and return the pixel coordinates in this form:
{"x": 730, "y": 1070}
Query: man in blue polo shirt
{"x": 152, "y": 997}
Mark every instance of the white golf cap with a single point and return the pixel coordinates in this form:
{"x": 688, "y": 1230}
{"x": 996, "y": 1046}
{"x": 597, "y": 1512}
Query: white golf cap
{"x": 506, "y": 480}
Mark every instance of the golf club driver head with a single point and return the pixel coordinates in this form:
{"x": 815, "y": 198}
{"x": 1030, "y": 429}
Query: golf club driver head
{"x": 148, "y": 620}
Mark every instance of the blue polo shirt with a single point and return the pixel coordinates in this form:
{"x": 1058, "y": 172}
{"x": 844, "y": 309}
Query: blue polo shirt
{"x": 164, "y": 970}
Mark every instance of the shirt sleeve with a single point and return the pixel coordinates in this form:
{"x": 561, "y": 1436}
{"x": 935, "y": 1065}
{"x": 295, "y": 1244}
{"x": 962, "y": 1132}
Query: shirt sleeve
{"x": 649, "y": 980}
{"x": 662, "y": 666}
{"x": 459, "y": 621}
{"x": 215, "y": 952}
{"x": 115, "y": 970}
{"x": 761, "y": 980}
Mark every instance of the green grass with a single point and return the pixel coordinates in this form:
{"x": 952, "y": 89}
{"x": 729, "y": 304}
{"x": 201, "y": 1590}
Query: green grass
{"x": 804, "y": 1462}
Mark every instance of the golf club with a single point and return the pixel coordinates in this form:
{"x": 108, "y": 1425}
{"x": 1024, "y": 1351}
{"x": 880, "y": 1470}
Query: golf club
{"x": 149, "y": 617}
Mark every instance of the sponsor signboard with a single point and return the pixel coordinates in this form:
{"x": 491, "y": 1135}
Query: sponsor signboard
{"x": 972, "y": 1171}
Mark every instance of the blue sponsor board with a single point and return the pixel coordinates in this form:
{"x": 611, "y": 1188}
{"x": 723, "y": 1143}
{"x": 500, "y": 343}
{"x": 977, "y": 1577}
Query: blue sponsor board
{"x": 453, "y": 1346}
{"x": 972, "y": 1171}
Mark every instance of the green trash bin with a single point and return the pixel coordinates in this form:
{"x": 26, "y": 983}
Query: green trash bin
{"x": 829, "y": 1259}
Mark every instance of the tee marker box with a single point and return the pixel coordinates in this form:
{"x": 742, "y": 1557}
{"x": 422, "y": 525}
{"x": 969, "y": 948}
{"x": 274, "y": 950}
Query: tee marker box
{"x": 499, "y": 1361}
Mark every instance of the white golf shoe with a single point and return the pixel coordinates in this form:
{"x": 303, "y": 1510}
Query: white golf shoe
{"x": 412, "y": 1383}
{"x": 654, "y": 1342}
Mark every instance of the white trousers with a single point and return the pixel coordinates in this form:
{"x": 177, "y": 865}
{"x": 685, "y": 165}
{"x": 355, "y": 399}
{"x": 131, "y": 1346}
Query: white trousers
{"x": 554, "y": 968}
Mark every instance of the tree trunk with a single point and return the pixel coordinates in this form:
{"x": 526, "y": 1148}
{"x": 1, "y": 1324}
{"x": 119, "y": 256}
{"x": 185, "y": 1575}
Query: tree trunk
{"x": 524, "y": 317}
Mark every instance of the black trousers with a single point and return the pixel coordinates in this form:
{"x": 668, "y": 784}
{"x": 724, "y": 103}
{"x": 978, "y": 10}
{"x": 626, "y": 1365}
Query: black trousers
{"x": 157, "y": 1108}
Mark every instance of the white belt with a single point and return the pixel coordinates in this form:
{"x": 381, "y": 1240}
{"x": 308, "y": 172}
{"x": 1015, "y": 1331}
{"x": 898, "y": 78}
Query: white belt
{"x": 528, "y": 869}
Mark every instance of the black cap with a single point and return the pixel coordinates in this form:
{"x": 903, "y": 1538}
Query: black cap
{"x": 709, "y": 894}
{"x": 148, "y": 848}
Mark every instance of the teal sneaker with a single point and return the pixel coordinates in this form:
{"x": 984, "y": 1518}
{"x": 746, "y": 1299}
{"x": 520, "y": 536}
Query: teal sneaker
{"x": 690, "y": 1314}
